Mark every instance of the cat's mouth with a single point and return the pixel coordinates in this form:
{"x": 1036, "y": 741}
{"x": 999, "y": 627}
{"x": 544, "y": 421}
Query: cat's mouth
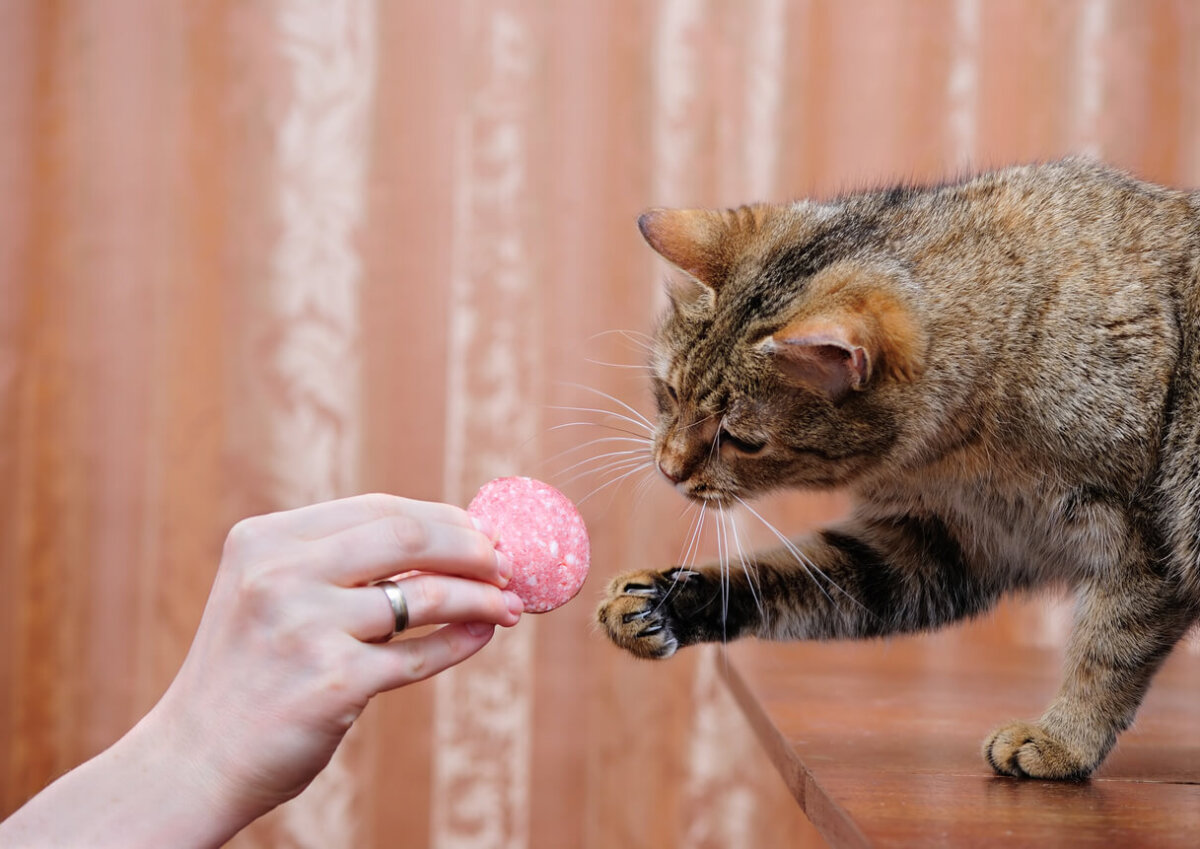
{"x": 708, "y": 496}
{"x": 701, "y": 490}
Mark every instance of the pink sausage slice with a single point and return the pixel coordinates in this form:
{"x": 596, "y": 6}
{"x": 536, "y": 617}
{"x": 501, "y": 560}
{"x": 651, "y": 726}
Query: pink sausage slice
{"x": 542, "y": 533}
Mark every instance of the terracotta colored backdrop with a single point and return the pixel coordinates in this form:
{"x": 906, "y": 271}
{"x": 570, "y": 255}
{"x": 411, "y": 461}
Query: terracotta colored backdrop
{"x": 254, "y": 254}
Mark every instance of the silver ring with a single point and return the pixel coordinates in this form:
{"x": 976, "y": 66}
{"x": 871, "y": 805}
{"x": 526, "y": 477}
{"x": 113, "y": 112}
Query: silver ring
{"x": 395, "y": 598}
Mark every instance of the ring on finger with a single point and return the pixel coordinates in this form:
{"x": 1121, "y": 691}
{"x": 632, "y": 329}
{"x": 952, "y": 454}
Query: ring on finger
{"x": 395, "y": 597}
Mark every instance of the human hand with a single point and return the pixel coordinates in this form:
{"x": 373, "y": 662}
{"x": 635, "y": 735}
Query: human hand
{"x": 286, "y": 658}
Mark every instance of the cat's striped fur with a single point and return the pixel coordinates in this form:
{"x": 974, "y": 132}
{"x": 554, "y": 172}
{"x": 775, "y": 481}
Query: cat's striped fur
{"x": 1005, "y": 372}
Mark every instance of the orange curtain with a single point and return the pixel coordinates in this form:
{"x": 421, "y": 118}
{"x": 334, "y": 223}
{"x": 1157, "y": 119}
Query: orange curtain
{"x": 254, "y": 254}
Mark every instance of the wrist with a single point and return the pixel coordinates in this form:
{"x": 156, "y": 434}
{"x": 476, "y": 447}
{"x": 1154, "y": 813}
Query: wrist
{"x": 171, "y": 794}
{"x": 179, "y": 763}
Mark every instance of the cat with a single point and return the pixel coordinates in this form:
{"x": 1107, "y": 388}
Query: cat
{"x": 1004, "y": 373}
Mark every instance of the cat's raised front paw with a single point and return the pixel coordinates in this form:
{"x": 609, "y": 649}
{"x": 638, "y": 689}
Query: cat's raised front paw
{"x": 1025, "y": 750}
{"x": 636, "y": 614}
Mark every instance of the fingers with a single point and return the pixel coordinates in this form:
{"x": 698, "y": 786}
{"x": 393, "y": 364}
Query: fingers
{"x": 391, "y": 545}
{"x": 393, "y": 665}
{"x": 329, "y": 517}
{"x": 354, "y": 541}
{"x": 431, "y": 600}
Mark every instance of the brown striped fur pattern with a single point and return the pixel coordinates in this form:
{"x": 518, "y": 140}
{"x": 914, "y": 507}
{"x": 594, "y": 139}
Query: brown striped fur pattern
{"x": 1005, "y": 372}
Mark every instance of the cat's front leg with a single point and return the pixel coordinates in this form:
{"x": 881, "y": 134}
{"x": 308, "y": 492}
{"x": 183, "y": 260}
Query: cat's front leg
{"x": 1125, "y": 628}
{"x": 870, "y": 576}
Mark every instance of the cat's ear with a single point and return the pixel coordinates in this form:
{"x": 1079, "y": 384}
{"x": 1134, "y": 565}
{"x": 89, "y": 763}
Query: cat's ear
{"x": 704, "y": 243}
{"x": 689, "y": 239}
{"x": 828, "y": 356}
{"x": 860, "y": 330}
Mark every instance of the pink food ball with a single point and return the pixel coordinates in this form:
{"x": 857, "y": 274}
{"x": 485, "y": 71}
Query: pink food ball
{"x": 543, "y": 535}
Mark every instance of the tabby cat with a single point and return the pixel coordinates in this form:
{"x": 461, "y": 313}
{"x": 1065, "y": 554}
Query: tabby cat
{"x": 1005, "y": 374}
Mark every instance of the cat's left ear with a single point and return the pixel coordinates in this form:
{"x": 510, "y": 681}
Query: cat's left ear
{"x": 828, "y": 356}
{"x": 863, "y": 338}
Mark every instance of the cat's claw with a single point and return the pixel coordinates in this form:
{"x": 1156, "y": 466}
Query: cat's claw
{"x": 1024, "y": 750}
{"x": 634, "y": 614}
{"x": 638, "y": 589}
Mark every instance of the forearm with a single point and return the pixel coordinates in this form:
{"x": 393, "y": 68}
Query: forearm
{"x": 143, "y": 791}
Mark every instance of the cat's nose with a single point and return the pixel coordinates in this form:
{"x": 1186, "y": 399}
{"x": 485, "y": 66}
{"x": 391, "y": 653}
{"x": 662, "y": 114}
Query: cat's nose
{"x": 673, "y": 475}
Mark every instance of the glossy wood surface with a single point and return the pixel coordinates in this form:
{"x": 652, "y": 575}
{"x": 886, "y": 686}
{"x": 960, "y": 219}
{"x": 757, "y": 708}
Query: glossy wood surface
{"x": 880, "y": 744}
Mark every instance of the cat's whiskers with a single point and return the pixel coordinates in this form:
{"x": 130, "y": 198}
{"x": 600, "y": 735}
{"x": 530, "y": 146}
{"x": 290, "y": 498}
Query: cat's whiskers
{"x": 723, "y": 562}
{"x": 631, "y": 366}
{"x": 602, "y": 440}
{"x": 632, "y": 445}
{"x": 637, "y": 416}
{"x": 606, "y": 460}
{"x": 603, "y": 425}
{"x": 611, "y": 473}
{"x": 642, "y": 340}
{"x": 746, "y": 564}
{"x": 806, "y": 563}
{"x": 641, "y": 423}
{"x": 712, "y": 449}
{"x": 609, "y": 464}
{"x": 698, "y": 422}
{"x": 688, "y": 555}
{"x": 643, "y": 487}
{"x": 638, "y": 467}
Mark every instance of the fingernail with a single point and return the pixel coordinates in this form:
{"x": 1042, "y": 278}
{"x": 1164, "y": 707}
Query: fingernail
{"x": 506, "y": 567}
{"x": 484, "y": 525}
{"x": 515, "y": 606}
{"x": 478, "y": 629}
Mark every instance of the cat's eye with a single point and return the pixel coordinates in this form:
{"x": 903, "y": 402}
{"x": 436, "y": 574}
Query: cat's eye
{"x": 745, "y": 446}
{"x": 665, "y": 396}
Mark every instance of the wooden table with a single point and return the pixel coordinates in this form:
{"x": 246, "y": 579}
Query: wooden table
{"x": 880, "y": 742}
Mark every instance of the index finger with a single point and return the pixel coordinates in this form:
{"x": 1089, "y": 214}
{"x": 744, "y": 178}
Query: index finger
{"x": 388, "y": 546}
{"x": 316, "y": 521}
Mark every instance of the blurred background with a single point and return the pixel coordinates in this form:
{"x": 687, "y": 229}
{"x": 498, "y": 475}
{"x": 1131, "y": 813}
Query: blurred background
{"x": 255, "y": 254}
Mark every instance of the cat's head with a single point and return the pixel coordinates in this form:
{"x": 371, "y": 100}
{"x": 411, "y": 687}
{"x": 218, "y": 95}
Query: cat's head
{"x": 785, "y": 354}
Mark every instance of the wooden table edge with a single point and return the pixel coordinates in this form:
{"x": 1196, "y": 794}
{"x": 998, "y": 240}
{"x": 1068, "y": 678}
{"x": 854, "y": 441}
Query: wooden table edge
{"x": 829, "y": 818}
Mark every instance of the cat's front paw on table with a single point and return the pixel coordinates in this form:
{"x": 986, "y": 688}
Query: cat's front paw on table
{"x": 1025, "y": 750}
{"x": 637, "y": 613}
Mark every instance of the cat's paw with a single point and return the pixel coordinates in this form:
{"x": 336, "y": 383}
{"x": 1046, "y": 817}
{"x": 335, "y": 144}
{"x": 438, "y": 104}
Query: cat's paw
{"x": 1025, "y": 750}
{"x": 636, "y": 613}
